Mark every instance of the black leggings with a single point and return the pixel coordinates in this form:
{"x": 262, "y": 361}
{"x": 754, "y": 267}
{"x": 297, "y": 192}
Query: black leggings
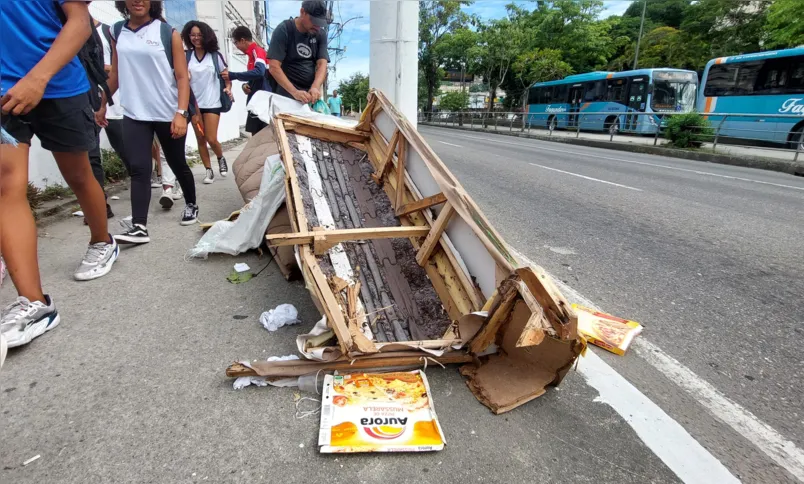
{"x": 139, "y": 136}
{"x": 114, "y": 131}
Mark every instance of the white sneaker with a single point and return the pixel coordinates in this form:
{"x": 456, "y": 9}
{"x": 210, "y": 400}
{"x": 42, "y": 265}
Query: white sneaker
{"x": 3, "y": 349}
{"x": 178, "y": 194}
{"x": 156, "y": 181}
{"x": 210, "y": 176}
{"x": 23, "y": 320}
{"x": 98, "y": 261}
{"x": 166, "y": 200}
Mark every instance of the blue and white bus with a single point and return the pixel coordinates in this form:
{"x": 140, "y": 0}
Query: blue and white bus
{"x": 618, "y": 95}
{"x": 763, "y": 83}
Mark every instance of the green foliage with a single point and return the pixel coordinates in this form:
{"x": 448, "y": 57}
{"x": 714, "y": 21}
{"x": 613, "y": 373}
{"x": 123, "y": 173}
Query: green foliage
{"x": 354, "y": 91}
{"x": 436, "y": 19}
{"x": 34, "y": 197}
{"x": 454, "y": 101}
{"x": 785, "y": 25}
{"x": 54, "y": 192}
{"x": 688, "y": 130}
{"x": 113, "y": 167}
{"x": 479, "y": 87}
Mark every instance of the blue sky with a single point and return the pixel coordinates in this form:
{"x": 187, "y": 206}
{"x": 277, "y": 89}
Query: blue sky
{"x": 355, "y": 36}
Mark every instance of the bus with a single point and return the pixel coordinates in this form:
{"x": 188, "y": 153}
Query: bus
{"x": 617, "y": 95}
{"x": 763, "y": 83}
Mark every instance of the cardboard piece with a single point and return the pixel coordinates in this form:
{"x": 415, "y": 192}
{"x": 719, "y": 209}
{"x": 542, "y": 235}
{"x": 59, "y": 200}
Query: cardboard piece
{"x": 609, "y": 332}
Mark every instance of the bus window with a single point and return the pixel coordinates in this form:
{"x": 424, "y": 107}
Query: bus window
{"x": 533, "y": 95}
{"x": 594, "y": 91}
{"x": 784, "y": 75}
{"x": 720, "y": 79}
{"x": 615, "y": 91}
{"x": 673, "y": 91}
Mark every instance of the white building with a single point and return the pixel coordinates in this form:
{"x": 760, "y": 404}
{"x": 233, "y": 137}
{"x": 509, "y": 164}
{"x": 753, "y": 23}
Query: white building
{"x": 222, "y": 17}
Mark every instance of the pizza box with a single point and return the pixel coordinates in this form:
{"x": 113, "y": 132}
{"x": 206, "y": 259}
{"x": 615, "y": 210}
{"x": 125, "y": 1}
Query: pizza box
{"x": 378, "y": 412}
{"x": 609, "y": 332}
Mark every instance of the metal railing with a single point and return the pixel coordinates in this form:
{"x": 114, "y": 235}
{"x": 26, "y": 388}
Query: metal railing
{"x": 642, "y": 128}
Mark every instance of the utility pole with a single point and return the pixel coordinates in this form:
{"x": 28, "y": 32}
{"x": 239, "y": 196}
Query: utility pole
{"x": 639, "y": 39}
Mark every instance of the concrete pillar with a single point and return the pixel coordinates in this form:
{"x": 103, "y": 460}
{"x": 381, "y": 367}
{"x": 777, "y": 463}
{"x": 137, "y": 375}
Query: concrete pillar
{"x": 393, "y": 55}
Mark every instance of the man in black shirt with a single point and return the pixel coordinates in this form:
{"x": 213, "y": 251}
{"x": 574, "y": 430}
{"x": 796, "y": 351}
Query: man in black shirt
{"x": 297, "y": 54}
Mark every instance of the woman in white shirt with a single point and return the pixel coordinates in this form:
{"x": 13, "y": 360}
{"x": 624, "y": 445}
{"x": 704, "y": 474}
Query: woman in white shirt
{"x": 206, "y": 64}
{"x": 154, "y": 96}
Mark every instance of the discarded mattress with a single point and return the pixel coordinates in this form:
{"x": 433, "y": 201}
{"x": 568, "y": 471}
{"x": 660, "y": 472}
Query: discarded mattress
{"x": 405, "y": 267}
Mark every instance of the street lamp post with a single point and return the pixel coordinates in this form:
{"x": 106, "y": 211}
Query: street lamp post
{"x": 639, "y": 39}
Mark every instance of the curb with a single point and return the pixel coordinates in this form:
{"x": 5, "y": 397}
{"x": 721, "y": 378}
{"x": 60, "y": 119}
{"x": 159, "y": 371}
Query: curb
{"x": 58, "y": 211}
{"x": 757, "y": 162}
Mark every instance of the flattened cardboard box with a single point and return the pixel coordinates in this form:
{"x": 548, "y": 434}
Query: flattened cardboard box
{"x": 378, "y": 412}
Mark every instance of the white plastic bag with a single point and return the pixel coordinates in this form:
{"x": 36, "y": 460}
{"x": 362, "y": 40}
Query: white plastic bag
{"x": 282, "y": 315}
{"x": 248, "y": 230}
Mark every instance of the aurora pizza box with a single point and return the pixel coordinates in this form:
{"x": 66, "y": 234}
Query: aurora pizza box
{"x": 609, "y": 332}
{"x": 378, "y": 412}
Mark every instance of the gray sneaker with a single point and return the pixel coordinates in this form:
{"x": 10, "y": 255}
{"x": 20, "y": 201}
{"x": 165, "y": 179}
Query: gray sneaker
{"x": 98, "y": 261}
{"x": 23, "y": 320}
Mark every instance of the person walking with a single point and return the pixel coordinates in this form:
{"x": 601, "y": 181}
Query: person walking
{"x": 335, "y": 104}
{"x": 213, "y": 95}
{"x": 43, "y": 93}
{"x": 255, "y": 77}
{"x": 150, "y": 69}
{"x": 297, "y": 54}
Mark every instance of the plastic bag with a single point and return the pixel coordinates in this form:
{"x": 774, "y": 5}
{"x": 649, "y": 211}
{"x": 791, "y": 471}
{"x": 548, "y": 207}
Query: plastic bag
{"x": 248, "y": 230}
{"x": 282, "y": 315}
{"x": 321, "y": 107}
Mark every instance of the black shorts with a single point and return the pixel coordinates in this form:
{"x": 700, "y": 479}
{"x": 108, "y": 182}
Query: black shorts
{"x": 211, "y": 111}
{"x": 62, "y": 125}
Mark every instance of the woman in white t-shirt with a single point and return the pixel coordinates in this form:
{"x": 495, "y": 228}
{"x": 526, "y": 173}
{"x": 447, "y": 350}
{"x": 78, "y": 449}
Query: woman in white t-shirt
{"x": 207, "y": 84}
{"x": 154, "y": 95}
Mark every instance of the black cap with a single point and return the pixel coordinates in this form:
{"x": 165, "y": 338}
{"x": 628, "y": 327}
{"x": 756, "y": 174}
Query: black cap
{"x": 317, "y": 11}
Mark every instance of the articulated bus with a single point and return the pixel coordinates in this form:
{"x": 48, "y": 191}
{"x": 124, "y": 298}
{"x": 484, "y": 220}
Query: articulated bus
{"x": 763, "y": 83}
{"x": 617, "y": 95}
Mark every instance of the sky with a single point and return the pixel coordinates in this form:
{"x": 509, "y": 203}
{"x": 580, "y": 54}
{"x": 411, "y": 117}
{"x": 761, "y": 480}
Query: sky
{"x": 355, "y": 38}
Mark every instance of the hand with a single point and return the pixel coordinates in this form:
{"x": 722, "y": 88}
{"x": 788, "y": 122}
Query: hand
{"x": 315, "y": 94}
{"x": 178, "y": 127}
{"x": 302, "y": 96}
{"x": 228, "y": 93}
{"x": 100, "y": 117}
{"x": 197, "y": 119}
{"x": 225, "y": 75}
{"x": 246, "y": 89}
{"x": 23, "y": 96}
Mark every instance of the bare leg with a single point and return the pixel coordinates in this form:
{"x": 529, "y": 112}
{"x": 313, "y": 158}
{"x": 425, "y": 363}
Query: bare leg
{"x": 202, "y": 142}
{"x": 77, "y": 172}
{"x": 155, "y": 156}
{"x": 211, "y": 121}
{"x": 17, "y": 226}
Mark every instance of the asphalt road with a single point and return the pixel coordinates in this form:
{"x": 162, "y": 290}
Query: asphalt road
{"x": 708, "y": 257}
{"x": 131, "y": 387}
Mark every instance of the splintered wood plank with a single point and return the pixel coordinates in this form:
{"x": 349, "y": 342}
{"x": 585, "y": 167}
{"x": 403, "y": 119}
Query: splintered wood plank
{"x": 400, "y": 170}
{"x": 422, "y": 204}
{"x": 325, "y": 133}
{"x": 500, "y": 311}
{"x": 343, "y": 235}
{"x": 388, "y": 159}
{"x": 556, "y": 308}
{"x": 301, "y": 122}
{"x": 294, "y": 192}
{"x": 333, "y": 310}
{"x": 434, "y": 236}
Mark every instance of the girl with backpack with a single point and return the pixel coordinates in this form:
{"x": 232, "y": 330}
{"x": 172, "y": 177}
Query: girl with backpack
{"x": 212, "y": 93}
{"x": 149, "y": 67}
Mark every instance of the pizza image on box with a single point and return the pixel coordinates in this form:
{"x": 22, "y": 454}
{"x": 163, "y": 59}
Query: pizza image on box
{"x": 378, "y": 412}
{"x": 609, "y": 332}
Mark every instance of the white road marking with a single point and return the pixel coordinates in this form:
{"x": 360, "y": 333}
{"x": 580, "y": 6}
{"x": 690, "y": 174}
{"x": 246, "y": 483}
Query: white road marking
{"x": 698, "y": 172}
{"x": 587, "y": 177}
{"x": 663, "y": 435}
{"x": 450, "y": 144}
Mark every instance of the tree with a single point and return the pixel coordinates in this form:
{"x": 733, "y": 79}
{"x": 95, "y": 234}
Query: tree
{"x": 436, "y": 18}
{"x": 785, "y": 25}
{"x": 354, "y": 91}
{"x": 500, "y": 42}
{"x": 538, "y": 65}
{"x": 456, "y": 48}
{"x": 727, "y": 27}
{"x": 659, "y": 12}
{"x": 454, "y": 101}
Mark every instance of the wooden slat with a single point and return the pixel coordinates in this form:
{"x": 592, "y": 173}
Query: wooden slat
{"x": 322, "y": 126}
{"x": 422, "y": 204}
{"x": 499, "y": 313}
{"x": 400, "y": 170}
{"x": 324, "y": 133}
{"x": 387, "y": 160}
{"x": 342, "y": 235}
{"x": 290, "y": 170}
{"x": 433, "y": 237}
{"x": 556, "y": 309}
{"x": 333, "y": 310}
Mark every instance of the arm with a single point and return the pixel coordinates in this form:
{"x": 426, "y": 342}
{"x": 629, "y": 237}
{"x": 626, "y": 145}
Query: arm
{"x": 320, "y": 75}
{"x": 227, "y": 82}
{"x": 113, "y": 81}
{"x": 256, "y": 73}
{"x": 282, "y": 80}
{"x": 26, "y": 94}
{"x": 179, "y": 125}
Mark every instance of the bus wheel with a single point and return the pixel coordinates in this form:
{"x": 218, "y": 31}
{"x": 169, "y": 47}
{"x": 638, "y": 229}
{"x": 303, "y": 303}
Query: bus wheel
{"x": 795, "y": 140}
{"x": 611, "y": 125}
{"x": 552, "y": 123}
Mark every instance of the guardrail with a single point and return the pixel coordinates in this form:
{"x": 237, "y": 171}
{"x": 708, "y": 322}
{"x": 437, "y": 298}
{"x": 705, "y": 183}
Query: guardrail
{"x": 615, "y": 124}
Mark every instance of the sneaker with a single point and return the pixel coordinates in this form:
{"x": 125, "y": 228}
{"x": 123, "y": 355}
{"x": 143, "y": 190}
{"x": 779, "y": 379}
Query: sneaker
{"x": 166, "y": 200}
{"x": 156, "y": 181}
{"x": 3, "y": 349}
{"x": 210, "y": 176}
{"x": 190, "y": 214}
{"x": 98, "y": 261}
{"x": 177, "y": 193}
{"x": 135, "y": 234}
{"x": 223, "y": 167}
{"x": 109, "y": 213}
{"x": 23, "y": 320}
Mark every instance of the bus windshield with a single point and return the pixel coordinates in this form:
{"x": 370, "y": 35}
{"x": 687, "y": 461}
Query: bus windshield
{"x": 674, "y": 91}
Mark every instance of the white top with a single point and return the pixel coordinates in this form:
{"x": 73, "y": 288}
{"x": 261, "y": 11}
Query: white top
{"x": 204, "y": 82}
{"x": 148, "y": 90}
{"x": 115, "y": 111}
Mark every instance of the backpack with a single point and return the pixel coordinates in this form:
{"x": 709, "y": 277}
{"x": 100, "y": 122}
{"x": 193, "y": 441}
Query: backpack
{"x": 91, "y": 57}
{"x": 226, "y": 103}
